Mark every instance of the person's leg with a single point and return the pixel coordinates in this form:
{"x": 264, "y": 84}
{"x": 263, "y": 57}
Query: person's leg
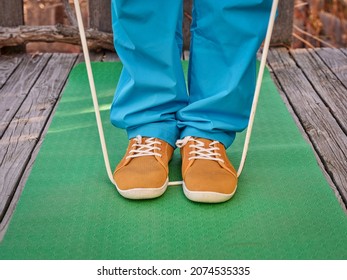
{"x": 226, "y": 35}
{"x": 151, "y": 89}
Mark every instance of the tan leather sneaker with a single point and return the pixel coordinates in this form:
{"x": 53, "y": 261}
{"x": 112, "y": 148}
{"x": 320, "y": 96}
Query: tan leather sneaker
{"x": 208, "y": 175}
{"x": 143, "y": 172}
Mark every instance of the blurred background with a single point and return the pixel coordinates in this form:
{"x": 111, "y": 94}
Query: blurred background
{"x": 319, "y": 23}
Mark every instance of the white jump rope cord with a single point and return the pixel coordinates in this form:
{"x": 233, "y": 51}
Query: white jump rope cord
{"x": 258, "y": 84}
{"x": 93, "y": 90}
{"x": 96, "y": 105}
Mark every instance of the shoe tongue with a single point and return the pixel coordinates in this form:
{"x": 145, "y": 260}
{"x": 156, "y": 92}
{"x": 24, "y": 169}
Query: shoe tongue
{"x": 141, "y": 139}
{"x": 206, "y": 142}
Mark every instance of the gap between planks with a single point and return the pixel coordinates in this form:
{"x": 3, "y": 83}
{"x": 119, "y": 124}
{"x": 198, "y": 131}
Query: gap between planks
{"x": 326, "y": 136}
{"x": 101, "y": 57}
{"x": 23, "y": 138}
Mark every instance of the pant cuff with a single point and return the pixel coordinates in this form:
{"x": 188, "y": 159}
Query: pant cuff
{"x": 166, "y": 131}
{"x": 225, "y": 138}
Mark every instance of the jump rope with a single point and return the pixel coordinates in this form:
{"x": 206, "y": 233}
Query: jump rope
{"x": 254, "y": 104}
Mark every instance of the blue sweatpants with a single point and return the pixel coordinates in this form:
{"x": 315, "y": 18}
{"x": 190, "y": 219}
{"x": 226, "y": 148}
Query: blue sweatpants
{"x": 152, "y": 98}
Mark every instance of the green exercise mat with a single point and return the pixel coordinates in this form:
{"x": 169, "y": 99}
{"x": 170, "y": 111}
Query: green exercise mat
{"x": 283, "y": 209}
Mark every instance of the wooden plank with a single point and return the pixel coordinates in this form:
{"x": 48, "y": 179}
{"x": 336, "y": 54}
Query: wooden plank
{"x": 18, "y": 86}
{"x": 307, "y": 139}
{"x": 21, "y": 137}
{"x": 100, "y": 15}
{"x": 282, "y": 33}
{"x": 110, "y": 56}
{"x": 328, "y": 139}
{"x": 329, "y": 88}
{"x": 187, "y": 21}
{"x": 7, "y": 214}
{"x": 92, "y": 55}
{"x": 7, "y": 66}
{"x": 7, "y": 217}
{"x": 105, "y": 56}
{"x": 336, "y": 60}
{"x": 11, "y": 15}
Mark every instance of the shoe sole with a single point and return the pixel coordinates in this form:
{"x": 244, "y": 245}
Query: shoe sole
{"x": 143, "y": 193}
{"x": 206, "y": 197}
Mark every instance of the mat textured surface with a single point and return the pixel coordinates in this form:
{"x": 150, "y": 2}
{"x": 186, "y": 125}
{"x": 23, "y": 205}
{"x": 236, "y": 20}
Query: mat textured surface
{"x": 283, "y": 209}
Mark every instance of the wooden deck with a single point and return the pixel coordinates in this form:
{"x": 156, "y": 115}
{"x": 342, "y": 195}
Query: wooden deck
{"x": 313, "y": 84}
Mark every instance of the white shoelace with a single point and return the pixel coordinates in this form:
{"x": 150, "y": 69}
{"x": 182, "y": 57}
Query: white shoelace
{"x": 148, "y": 148}
{"x": 200, "y": 151}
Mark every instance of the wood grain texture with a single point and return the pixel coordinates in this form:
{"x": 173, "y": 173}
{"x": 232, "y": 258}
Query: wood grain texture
{"x": 14, "y": 92}
{"x": 14, "y": 36}
{"x": 100, "y": 15}
{"x": 11, "y": 15}
{"x": 23, "y": 133}
{"x": 325, "y": 82}
{"x": 307, "y": 139}
{"x": 110, "y": 56}
{"x": 7, "y": 66}
{"x": 336, "y": 60}
{"x": 18, "y": 191}
{"x": 344, "y": 51}
{"x": 8, "y": 214}
{"x": 11, "y": 12}
{"x": 92, "y": 56}
{"x": 325, "y": 134}
{"x": 282, "y": 33}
